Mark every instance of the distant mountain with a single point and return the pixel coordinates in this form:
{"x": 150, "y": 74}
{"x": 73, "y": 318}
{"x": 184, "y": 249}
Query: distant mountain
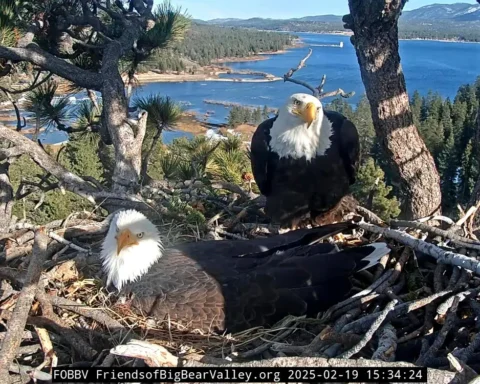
{"x": 446, "y": 12}
{"x": 457, "y": 12}
{"x": 459, "y": 21}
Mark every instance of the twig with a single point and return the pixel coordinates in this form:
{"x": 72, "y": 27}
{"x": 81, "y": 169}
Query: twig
{"x": 368, "y": 336}
{"x": 362, "y": 324}
{"x": 438, "y": 253}
{"x": 92, "y": 313}
{"x": 316, "y": 91}
{"x": 459, "y": 240}
{"x": 338, "y": 92}
{"x": 285, "y": 324}
{"x": 30, "y": 372}
{"x": 300, "y": 65}
{"x": 387, "y": 344}
{"x": 449, "y": 323}
{"x": 465, "y": 217}
{"x": 16, "y": 324}
{"x": 47, "y": 347}
{"x": 61, "y": 240}
{"x": 369, "y": 215}
{"x": 164, "y": 358}
{"x": 154, "y": 355}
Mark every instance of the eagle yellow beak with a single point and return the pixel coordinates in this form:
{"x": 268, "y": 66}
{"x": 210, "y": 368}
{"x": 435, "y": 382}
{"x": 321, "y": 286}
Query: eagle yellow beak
{"x": 309, "y": 114}
{"x": 125, "y": 239}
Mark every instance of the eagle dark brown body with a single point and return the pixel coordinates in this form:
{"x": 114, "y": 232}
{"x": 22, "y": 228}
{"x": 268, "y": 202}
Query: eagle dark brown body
{"x": 295, "y": 187}
{"x": 235, "y": 285}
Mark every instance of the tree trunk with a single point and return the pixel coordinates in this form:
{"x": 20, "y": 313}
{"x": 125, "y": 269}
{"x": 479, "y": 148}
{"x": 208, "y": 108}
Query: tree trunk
{"x": 6, "y": 197}
{"x": 375, "y": 27}
{"x": 146, "y": 157}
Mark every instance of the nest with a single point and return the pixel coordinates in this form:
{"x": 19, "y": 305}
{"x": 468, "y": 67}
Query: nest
{"x": 419, "y": 306}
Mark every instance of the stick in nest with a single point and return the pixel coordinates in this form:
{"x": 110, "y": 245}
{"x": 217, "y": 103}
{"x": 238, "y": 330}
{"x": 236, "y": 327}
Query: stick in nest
{"x": 368, "y": 336}
{"x": 438, "y": 253}
{"x": 449, "y": 323}
{"x": 316, "y": 91}
{"x": 16, "y": 324}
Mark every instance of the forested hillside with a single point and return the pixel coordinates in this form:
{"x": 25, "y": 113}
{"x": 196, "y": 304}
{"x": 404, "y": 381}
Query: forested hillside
{"x": 408, "y": 29}
{"x": 451, "y": 132}
{"x": 205, "y": 43}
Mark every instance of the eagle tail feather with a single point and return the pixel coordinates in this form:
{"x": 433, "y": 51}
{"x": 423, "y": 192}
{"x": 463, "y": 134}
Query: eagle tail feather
{"x": 378, "y": 250}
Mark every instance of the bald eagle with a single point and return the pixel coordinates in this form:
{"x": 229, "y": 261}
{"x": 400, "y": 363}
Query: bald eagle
{"x": 304, "y": 160}
{"x": 230, "y": 285}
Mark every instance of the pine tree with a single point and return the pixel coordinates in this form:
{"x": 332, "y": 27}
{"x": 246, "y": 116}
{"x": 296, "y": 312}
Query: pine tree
{"x": 265, "y": 113}
{"x": 257, "y": 116}
{"x": 341, "y": 106}
{"x": 416, "y": 104}
{"x": 370, "y": 178}
{"x": 362, "y": 118}
{"x": 448, "y": 166}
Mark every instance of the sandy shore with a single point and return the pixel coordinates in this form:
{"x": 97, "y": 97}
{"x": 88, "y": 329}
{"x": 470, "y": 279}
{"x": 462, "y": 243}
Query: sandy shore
{"x": 153, "y": 77}
{"x": 261, "y": 56}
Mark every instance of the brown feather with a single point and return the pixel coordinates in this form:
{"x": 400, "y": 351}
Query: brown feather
{"x": 196, "y": 285}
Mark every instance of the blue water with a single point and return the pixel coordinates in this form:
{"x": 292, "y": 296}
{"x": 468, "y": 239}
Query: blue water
{"x": 427, "y": 65}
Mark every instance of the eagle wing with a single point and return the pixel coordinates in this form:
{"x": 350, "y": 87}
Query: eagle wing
{"x": 349, "y": 143}
{"x": 237, "y": 293}
{"x": 262, "y": 159}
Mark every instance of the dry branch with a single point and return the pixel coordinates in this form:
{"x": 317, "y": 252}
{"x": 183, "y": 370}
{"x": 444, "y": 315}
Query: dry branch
{"x": 163, "y": 358}
{"x": 387, "y": 344}
{"x": 16, "y": 325}
{"x": 368, "y": 336}
{"x": 442, "y": 256}
{"x": 456, "y": 239}
{"x": 316, "y": 91}
{"x": 93, "y": 313}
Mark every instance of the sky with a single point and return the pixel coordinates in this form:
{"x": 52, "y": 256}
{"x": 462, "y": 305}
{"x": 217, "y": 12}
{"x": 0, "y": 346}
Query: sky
{"x": 278, "y": 9}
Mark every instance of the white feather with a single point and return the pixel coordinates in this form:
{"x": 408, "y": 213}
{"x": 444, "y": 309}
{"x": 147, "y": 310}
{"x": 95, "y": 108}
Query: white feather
{"x": 133, "y": 261}
{"x": 290, "y": 135}
{"x": 381, "y": 249}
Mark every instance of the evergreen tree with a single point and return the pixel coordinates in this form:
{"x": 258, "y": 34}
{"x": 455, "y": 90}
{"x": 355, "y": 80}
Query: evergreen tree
{"x": 362, "y": 118}
{"x": 370, "y": 179}
{"x": 257, "y": 116}
{"x": 448, "y": 166}
{"x": 416, "y": 105}
{"x": 265, "y": 113}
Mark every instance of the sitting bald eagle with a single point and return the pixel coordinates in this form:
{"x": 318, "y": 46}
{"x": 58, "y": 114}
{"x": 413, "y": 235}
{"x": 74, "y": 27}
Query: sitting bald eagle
{"x": 304, "y": 160}
{"x": 231, "y": 284}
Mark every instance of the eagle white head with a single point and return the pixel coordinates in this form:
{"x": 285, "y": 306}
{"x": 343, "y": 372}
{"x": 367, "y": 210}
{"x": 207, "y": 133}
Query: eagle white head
{"x": 300, "y": 128}
{"x": 302, "y": 110}
{"x": 131, "y": 246}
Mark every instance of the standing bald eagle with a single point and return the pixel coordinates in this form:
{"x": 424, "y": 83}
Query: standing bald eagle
{"x": 230, "y": 285}
{"x": 304, "y": 160}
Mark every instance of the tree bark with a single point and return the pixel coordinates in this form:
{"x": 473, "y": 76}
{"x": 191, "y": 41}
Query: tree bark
{"x": 375, "y": 27}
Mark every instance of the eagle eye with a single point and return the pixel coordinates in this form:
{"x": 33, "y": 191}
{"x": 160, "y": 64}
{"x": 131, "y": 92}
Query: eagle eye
{"x": 117, "y": 229}
{"x": 296, "y": 102}
{"x": 140, "y": 235}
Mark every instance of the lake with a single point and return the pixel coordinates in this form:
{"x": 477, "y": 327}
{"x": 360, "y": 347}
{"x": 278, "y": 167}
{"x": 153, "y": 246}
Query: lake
{"x": 427, "y": 65}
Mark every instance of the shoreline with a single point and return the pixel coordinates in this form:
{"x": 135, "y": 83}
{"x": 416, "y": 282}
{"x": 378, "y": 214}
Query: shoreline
{"x": 349, "y": 33}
